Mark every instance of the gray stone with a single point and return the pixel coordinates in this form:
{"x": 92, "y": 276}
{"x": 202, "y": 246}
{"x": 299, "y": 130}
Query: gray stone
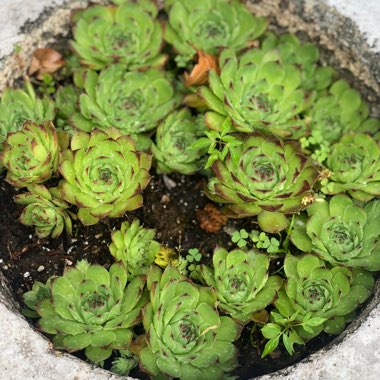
{"x": 349, "y": 34}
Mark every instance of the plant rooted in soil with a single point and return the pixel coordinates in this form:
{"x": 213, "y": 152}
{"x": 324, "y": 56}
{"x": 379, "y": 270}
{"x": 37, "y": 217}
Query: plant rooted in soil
{"x": 285, "y": 151}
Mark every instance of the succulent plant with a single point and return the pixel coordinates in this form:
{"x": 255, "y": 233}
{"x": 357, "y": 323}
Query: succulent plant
{"x": 103, "y": 174}
{"x": 19, "y": 106}
{"x": 31, "y": 155}
{"x": 241, "y": 282}
{"x": 174, "y": 139}
{"x": 186, "y": 337}
{"x": 341, "y": 232}
{"x": 134, "y": 246}
{"x": 355, "y": 167}
{"x": 314, "y": 290}
{"x": 305, "y": 56}
{"x": 33, "y": 297}
{"x": 339, "y": 111}
{"x": 129, "y": 34}
{"x": 123, "y": 364}
{"x": 91, "y": 308}
{"x": 45, "y": 210}
{"x": 66, "y": 99}
{"x": 268, "y": 175}
{"x": 257, "y": 92}
{"x": 132, "y": 102}
{"x": 209, "y": 26}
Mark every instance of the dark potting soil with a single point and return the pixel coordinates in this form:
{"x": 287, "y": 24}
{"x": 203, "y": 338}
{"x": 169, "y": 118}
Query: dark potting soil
{"x": 170, "y": 204}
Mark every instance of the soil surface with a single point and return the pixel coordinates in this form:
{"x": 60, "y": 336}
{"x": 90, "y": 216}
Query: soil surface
{"x": 170, "y": 204}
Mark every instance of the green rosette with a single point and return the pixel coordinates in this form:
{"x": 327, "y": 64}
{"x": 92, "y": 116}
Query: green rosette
{"x": 186, "y": 337}
{"x": 267, "y": 175}
{"x": 241, "y": 282}
{"x": 104, "y": 175}
{"x": 173, "y": 150}
{"x": 355, "y": 167}
{"x": 210, "y": 26}
{"x": 129, "y": 34}
{"x": 31, "y": 155}
{"x": 89, "y": 308}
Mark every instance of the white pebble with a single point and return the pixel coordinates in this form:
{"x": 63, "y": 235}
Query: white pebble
{"x": 40, "y": 268}
{"x": 26, "y": 274}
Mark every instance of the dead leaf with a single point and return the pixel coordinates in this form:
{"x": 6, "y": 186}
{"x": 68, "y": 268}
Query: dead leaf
{"x": 199, "y": 74}
{"x": 45, "y": 60}
{"x": 211, "y": 219}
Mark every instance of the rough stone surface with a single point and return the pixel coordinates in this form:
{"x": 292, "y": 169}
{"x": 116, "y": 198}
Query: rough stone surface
{"x": 348, "y": 30}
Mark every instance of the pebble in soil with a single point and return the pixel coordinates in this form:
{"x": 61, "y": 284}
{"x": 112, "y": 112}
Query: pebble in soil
{"x": 170, "y": 206}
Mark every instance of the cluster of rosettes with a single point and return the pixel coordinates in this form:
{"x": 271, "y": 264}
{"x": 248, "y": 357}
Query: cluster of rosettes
{"x": 198, "y": 87}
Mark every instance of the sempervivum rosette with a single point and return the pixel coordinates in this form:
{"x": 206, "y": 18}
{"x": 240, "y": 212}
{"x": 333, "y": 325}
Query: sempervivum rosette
{"x": 186, "y": 337}
{"x": 89, "y": 308}
{"x": 104, "y": 175}
{"x": 305, "y": 56}
{"x": 315, "y": 290}
{"x": 174, "y": 139}
{"x": 341, "y": 232}
{"x": 31, "y": 155}
{"x": 256, "y": 91}
{"x": 19, "y": 106}
{"x": 264, "y": 175}
{"x": 135, "y": 246}
{"x": 339, "y": 111}
{"x": 209, "y": 26}
{"x": 133, "y": 102}
{"x": 241, "y": 282}
{"x": 355, "y": 167}
{"x": 46, "y": 210}
{"x": 129, "y": 34}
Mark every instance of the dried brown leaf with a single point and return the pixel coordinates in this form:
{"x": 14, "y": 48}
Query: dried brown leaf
{"x": 45, "y": 61}
{"x": 211, "y": 219}
{"x": 199, "y": 74}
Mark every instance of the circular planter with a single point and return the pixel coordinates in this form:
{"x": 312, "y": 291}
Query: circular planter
{"x": 348, "y": 34}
